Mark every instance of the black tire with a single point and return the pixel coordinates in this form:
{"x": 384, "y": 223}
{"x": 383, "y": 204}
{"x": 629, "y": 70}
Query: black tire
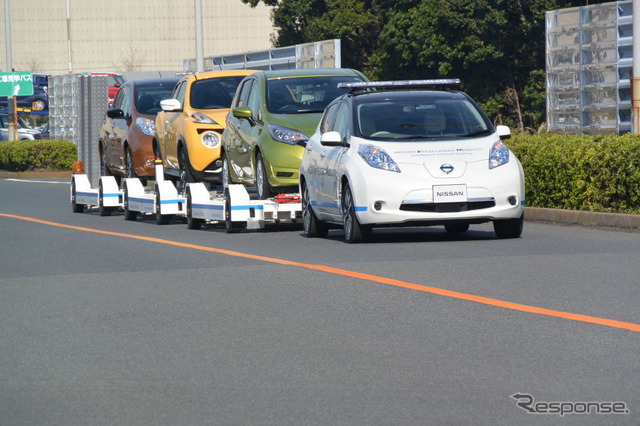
{"x": 191, "y": 222}
{"x": 104, "y": 211}
{"x": 75, "y": 207}
{"x": 456, "y": 228}
{"x": 128, "y": 214}
{"x": 262, "y": 182}
{"x": 104, "y": 170}
{"x": 229, "y": 226}
{"x": 128, "y": 161}
{"x": 509, "y": 228}
{"x": 353, "y": 231}
{"x": 185, "y": 170}
{"x": 226, "y": 177}
{"x": 312, "y": 226}
{"x": 161, "y": 219}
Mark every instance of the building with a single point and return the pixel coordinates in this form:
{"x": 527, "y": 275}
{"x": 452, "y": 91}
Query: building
{"x": 589, "y": 62}
{"x": 124, "y": 35}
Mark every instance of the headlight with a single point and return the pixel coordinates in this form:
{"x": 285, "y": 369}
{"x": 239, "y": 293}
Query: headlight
{"x": 147, "y": 126}
{"x": 378, "y": 158}
{"x": 498, "y": 155}
{"x": 200, "y": 118}
{"x": 210, "y": 139}
{"x": 288, "y": 136}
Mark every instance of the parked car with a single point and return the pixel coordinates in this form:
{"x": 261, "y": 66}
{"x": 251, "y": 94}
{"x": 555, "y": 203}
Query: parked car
{"x": 126, "y": 135}
{"x": 39, "y": 101}
{"x": 115, "y": 81}
{"x": 44, "y": 131}
{"x": 409, "y": 154}
{"x": 189, "y": 127}
{"x": 272, "y": 116}
{"x": 24, "y": 131}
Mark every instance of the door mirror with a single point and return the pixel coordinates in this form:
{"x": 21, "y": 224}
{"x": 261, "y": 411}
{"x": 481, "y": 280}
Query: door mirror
{"x": 114, "y": 113}
{"x": 170, "y": 105}
{"x": 503, "y": 132}
{"x": 331, "y": 139}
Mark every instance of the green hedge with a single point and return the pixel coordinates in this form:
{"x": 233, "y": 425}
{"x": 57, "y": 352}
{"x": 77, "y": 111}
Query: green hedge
{"x": 592, "y": 173}
{"x": 19, "y": 156}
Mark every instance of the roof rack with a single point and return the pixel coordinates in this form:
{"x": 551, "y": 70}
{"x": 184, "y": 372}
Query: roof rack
{"x": 398, "y": 84}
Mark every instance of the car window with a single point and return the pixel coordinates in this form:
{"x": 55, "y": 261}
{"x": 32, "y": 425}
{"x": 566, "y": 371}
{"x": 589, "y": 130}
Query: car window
{"x": 179, "y": 92}
{"x": 306, "y": 94}
{"x": 243, "y": 95}
{"x": 148, "y": 96}
{"x": 326, "y": 124}
{"x": 415, "y": 116}
{"x": 341, "y": 124}
{"x": 214, "y": 93}
{"x": 117, "y": 102}
{"x": 126, "y": 101}
{"x": 254, "y": 100}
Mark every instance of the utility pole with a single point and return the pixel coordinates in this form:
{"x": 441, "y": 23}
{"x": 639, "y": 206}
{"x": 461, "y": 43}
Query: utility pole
{"x": 635, "y": 73}
{"x": 199, "y": 44}
{"x": 12, "y": 127}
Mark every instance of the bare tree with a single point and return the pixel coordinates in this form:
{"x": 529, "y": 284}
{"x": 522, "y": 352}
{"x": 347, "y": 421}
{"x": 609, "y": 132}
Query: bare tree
{"x": 131, "y": 59}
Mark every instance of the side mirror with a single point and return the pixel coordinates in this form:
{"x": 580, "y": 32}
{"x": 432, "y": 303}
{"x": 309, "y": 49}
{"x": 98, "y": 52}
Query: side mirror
{"x": 504, "y": 132}
{"x": 114, "y": 113}
{"x": 331, "y": 139}
{"x": 170, "y": 105}
{"x": 244, "y": 112}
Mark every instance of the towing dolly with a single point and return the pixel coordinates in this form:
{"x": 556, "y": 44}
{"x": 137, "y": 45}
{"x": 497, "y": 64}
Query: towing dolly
{"x": 234, "y": 207}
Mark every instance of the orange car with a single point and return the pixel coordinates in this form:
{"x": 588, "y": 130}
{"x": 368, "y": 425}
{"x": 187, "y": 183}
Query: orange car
{"x": 189, "y": 128}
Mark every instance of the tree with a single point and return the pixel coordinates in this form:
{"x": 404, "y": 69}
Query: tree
{"x": 496, "y": 47}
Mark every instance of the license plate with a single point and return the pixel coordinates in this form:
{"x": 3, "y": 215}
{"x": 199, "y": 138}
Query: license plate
{"x": 449, "y": 193}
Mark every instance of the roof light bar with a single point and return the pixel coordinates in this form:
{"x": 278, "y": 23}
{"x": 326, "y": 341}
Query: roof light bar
{"x": 397, "y": 84}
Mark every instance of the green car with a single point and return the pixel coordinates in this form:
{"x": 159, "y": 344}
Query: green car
{"x": 272, "y": 115}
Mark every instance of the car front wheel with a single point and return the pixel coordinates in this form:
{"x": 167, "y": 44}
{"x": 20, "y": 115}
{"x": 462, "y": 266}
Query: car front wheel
{"x": 262, "y": 183}
{"x": 353, "y": 231}
{"x": 509, "y": 228}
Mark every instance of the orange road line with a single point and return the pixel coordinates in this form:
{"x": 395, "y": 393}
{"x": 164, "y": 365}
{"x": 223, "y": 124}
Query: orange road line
{"x": 359, "y": 275}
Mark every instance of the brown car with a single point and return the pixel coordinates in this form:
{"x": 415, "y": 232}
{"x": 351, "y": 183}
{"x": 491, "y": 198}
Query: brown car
{"x": 127, "y": 132}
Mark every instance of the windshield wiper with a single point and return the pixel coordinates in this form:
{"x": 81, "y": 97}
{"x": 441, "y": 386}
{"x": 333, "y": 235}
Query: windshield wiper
{"x": 476, "y": 133}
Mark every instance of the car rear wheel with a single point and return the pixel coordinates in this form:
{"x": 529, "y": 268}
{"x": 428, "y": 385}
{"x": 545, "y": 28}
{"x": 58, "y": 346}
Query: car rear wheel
{"x": 353, "y": 231}
{"x": 262, "y": 183}
{"x": 509, "y": 228}
{"x": 312, "y": 227}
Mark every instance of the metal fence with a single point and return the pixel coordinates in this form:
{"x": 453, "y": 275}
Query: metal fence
{"x": 77, "y": 106}
{"x": 589, "y": 62}
{"x": 320, "y": 54}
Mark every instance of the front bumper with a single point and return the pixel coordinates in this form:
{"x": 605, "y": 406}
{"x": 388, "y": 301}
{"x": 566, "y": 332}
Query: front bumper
{"x": 388, "y": 198}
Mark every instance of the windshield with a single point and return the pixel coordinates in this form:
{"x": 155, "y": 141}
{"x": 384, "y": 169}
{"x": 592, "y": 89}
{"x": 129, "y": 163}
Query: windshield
{"x": 214, "y": 93}
{"x": 419, "y": 115}
{"x": 4, "y": 122}
{"x": 308, "y": 94}
{"x": 148, "y": 96}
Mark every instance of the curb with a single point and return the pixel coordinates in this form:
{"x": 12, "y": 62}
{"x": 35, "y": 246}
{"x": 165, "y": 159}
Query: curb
{"x": 584, "y": 218}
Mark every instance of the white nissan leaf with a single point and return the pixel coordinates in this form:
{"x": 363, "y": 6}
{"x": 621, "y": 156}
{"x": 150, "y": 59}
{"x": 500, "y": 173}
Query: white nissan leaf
{"x": 409, "y": 153}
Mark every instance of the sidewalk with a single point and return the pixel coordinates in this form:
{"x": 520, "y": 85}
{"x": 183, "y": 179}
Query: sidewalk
{"x": 574, "y": 217}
